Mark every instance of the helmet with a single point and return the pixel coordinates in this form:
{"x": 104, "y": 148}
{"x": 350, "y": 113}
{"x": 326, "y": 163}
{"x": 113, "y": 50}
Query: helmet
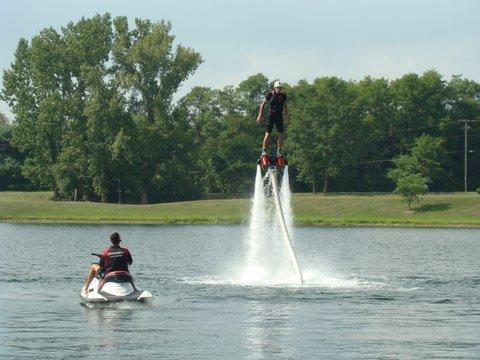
{"x": 277, "y": 84}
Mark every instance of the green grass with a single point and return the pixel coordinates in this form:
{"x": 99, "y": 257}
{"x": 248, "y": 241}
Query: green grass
{"x": 443, "y": 209}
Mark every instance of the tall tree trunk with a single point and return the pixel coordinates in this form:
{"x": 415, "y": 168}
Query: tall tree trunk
{"x": 75, "y": 195}
{"x": 56, "y": 195}
{"x": 119, "y": 190}
{"x": 325, "y": 182}
{"x": 314, "y": 187}
{"x": 104, "y": 198}
{"x": 145, "y": 194}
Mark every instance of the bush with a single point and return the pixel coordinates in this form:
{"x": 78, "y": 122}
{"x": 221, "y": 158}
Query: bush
{"x": 478, "y": 190}
{"x": 411, "y": 186}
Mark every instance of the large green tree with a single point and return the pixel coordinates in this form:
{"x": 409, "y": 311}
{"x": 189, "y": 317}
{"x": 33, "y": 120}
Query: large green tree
{"x": 226, "y": 135}
{"x": 150, "y": 70}
{"x": 35, "y": 88}
{"x": 46, "y": 90}
{"x": 250, "y": 92}
{"x": 463, "y": 103}
{"x": 377, "y": 139}
{"x": 203, "y": 111}
{"x": 92, "y": 110}
{"x": 419, "y": 103}
{"x": 91, "y": 97}
{"x": 323, "y": 134}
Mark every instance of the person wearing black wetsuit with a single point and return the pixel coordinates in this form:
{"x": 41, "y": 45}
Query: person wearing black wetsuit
{"x": 114, "y": 258}
{"x": 277, "y": 101}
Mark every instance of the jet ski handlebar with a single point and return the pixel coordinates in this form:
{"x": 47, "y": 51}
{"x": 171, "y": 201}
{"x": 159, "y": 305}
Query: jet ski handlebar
{"x": 99, "y": 255}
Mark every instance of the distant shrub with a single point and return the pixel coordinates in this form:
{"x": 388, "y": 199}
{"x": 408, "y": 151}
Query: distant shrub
{"x": 478, "y": 190}
{"x": 411, "y": 187}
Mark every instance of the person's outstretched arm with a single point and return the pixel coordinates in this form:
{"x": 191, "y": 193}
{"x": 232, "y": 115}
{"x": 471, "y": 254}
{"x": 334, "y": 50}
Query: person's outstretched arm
{"x": 260, "y": 112}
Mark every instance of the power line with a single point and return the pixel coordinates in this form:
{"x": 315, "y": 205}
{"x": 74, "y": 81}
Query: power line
{"x": 367, "y": 162}
{"x": 418, "y": 127}
{"x": 413, "y": 128}
{"x": 455, "y": 152}
{"x": 460, "y": 136}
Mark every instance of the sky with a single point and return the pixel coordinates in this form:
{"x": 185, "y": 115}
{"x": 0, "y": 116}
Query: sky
{"x": 288, "y": 40}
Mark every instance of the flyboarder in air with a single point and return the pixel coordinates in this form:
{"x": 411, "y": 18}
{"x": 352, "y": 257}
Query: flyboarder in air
{"x": 277, "y": 101}
{"x": 272, "y": 166}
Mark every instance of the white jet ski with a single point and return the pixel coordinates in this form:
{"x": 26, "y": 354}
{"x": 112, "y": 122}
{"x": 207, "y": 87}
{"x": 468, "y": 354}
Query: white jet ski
{"x": 114, "y": 287}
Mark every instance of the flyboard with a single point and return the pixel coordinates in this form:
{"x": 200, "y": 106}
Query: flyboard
{"x": 273, "y": 166}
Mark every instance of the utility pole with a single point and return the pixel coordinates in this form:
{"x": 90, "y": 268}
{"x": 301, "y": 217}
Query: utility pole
{"x": 465, "y": 127}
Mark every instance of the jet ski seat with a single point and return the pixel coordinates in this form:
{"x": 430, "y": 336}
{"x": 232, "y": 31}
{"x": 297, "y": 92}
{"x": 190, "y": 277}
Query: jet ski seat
{"x": 116, "y": 276}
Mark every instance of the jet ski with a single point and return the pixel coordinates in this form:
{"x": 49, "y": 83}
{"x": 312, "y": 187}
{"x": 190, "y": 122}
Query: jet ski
{"x": 114, "y": 287}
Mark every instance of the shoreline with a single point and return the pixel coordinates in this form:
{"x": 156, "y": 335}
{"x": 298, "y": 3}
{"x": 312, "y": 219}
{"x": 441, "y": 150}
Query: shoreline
{"x": 239, "y": 223}
{"x": 437, "y": 210}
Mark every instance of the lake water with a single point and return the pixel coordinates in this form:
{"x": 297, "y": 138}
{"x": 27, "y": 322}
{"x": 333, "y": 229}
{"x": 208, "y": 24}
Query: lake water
{"x": 370, "y": 293}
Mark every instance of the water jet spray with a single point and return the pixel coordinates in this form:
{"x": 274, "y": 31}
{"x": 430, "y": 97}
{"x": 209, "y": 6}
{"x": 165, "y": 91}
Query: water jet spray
{"x": 264, "y": 230}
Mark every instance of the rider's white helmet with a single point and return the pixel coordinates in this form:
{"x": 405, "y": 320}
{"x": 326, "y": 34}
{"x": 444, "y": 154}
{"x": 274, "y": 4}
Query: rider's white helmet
{"x": 277, "y": 84}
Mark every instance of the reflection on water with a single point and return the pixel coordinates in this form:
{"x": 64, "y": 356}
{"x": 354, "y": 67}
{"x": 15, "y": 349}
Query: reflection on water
{"x": 369, "y": 293}
{"x": 108, "y": 317}
{"x": 107, "y": 325}
{"x": 267, "y": 331}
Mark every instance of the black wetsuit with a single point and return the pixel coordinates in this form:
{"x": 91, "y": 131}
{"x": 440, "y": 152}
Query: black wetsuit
{"x": 276, "y": 102}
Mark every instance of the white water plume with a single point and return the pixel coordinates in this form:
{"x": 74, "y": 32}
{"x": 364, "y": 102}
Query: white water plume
{"x": 268, "y": 259}
{"x": 257, "y": 231}
{"x": 286, "y": 200}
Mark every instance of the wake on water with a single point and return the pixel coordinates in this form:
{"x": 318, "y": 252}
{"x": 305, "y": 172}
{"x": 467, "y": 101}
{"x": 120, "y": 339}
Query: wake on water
{"x": 267, "y": 261}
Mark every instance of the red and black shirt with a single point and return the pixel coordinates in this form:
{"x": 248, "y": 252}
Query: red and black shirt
{"x": 276, "y": 102}
{"x": 115, "y": 258}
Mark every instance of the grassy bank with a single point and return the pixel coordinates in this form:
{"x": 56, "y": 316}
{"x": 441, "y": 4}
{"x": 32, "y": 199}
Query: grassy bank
{"x": 451, "y": 209}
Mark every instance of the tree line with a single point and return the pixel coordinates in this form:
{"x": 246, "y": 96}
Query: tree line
{"x": 96, "y": 119}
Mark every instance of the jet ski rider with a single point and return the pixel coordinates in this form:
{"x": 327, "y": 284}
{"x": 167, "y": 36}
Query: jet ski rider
{"x": 114, "y": 258}
{"x": 277, "y": 101}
